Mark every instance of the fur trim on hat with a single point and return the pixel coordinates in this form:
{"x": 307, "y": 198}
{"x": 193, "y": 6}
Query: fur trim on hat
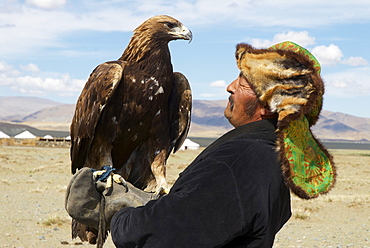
{"x": 285, "y": 81}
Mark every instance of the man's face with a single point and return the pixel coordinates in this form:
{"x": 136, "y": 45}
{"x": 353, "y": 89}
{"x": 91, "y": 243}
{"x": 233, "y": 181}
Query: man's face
{"x": 243, "y": 106}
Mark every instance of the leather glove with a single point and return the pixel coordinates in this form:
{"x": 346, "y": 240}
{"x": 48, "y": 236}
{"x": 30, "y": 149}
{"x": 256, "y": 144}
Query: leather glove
{"x": 84, "y": 195}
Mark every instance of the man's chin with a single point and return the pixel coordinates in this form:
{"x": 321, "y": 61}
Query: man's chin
{"x": 227, "y": 113}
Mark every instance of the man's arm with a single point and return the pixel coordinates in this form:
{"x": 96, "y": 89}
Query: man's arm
{"x": 202, "y": 210}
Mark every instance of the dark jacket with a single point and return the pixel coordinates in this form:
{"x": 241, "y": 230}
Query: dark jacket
{"x": 232, "y": 195}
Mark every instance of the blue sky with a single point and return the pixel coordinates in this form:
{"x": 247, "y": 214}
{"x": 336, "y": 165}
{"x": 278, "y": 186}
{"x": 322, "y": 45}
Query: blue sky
{"x": 49, "y": 47}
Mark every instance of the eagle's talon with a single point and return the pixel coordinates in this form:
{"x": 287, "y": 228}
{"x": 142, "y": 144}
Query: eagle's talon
{"x": 120, "y": 180}
{"x": 160, "y": 192}
{"x": 109, "y": 177}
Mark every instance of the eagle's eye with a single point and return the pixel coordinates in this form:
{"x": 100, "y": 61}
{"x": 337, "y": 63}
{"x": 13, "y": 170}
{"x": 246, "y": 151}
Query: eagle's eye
{"x": 170, "y": 25}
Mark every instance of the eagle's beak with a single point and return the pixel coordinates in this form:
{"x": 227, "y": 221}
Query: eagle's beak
{"x": 182, "y": 32}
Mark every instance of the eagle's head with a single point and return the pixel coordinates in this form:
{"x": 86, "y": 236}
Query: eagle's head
{"x": 154, "y": 34}
{"x": 165, "y": 28}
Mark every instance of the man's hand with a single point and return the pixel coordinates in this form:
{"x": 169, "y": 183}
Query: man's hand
{"x": 84, "y": 194}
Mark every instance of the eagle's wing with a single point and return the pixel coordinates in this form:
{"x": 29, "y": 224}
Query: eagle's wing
{"x": 180, "y": 110}
{"x": 97, "y": 91}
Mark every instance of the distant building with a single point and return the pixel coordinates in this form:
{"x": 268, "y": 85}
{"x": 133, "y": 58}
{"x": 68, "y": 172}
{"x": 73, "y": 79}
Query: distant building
{"x": 189, "y": 145}
{"x": 25, "y": 135}
{"x": 48, "y": 136}
{"x": 4, "y": 135}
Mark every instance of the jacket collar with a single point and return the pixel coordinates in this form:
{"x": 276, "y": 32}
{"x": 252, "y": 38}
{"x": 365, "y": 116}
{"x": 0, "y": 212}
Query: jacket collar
{"x": 263, "y": 129}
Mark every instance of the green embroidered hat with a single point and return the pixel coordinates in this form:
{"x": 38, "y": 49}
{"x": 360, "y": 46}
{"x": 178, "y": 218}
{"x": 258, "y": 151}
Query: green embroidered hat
{"x": 286, "y": 78}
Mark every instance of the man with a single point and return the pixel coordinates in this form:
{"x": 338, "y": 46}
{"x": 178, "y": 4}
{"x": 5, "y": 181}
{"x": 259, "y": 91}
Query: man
{"x": 234, "y": 193}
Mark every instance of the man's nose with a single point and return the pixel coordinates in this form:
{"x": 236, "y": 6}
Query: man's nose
{"x": 231, "y": 87}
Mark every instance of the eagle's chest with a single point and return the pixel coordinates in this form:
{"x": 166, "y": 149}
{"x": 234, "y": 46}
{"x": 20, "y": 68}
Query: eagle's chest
{"x": 154, "y": 91}
{"x": 139, "y": 105}
{"x": 148, "y": 92}
{"x": 141, "y": 99}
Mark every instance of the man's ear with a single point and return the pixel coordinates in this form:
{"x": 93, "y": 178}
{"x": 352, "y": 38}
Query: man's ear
{"x": 266, "y": 113}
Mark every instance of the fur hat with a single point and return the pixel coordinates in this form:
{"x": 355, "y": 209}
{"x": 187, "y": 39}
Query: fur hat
{"x": 286, "y": 79}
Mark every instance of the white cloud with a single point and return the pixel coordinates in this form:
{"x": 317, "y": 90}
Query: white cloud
{"x": 260, "y": 43}
{"x": 7, "y": 70}
{"x": 328, "y": 55}
{"x": 214, "y": 91}
{"x": 27, "y": 28}
{"x": 218, "y": 84}
{"x": 348, "y": 83}
{"x": 302, "y": 38}
{"x": 30, "y": 68}
{"x": 332, "y": 54}
{"x": 47, "y": 4}
{"x": 355, "y": 61}
{"x": 63, "y": 86}
{"x": 4, "y": 67}
{"x": 19, "y": 81}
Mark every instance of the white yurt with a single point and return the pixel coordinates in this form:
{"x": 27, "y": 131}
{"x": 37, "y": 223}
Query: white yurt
{"x": 189, "y": 145}
{"x": 25, "y": 135}
{"x": 4, "y": 135}
{"x": 48, "y": 136}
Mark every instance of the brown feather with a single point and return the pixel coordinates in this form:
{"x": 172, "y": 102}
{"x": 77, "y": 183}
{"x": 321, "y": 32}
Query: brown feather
{"x": 181, "y": 105}
{"x": 95, "y": 95}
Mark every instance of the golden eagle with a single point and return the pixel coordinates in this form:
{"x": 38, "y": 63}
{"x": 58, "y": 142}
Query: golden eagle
{"x": 134, "y": 111}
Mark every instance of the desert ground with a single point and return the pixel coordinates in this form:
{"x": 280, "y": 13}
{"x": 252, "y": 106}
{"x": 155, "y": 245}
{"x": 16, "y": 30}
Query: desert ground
{"x": 34, "y": 180}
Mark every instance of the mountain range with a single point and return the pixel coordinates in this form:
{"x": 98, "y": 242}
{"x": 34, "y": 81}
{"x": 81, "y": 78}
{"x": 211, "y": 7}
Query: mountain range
{"x": 41, "y": 117}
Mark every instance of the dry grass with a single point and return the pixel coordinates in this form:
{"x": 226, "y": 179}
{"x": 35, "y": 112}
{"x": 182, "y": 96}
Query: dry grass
{"x": 301, "y": 215}
{"x": 54, "y": 220}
